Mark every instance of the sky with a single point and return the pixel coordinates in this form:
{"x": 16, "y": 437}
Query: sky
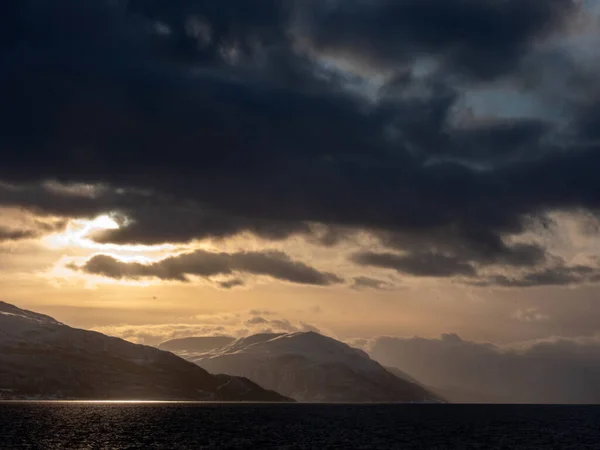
{"x": 380, "y": 171}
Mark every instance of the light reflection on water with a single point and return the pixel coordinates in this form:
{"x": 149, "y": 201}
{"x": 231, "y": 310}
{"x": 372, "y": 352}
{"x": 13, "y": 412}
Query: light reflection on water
{"x": 130, "y": 424}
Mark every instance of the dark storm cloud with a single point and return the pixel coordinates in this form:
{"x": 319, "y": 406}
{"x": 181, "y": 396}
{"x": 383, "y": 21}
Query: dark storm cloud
{"x": 481, "y": 38}
{"x": 216, "y": 118}
{"x": 418, "y": 264}
{"x": 556, "y": 273}
{"x": 498, "y": 142}
{"x": 553, "y": 371}
{"x": 202, "y": 30}
{"x": 172, "y": 223}
{"x": 206, "y": 264}
{"x": 145, "y": 217}
{"x": 479, "y": 246}
{"x": 52, "y": 199}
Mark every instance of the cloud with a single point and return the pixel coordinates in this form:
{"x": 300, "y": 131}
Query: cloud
{"x": 235, "y": 324}
{"x": 230, "y": 284}
{"x": 257, "y": 320}
{"x": 530, "y": 315}
{"x": 557, "y": 370}
{"x": 163, "y": 223}
{"x": 370, "y": 283}
{"x": 260, "y": 312}
{"x": 7, "y": 234}
{"x": 193, "y": 120}
{"x": 56, "y": 199}
{"x": 560, "y": 275}
{"x": 279, "y": 325}
{"x": 17, "y": 225}
{"x": 521, "y": 265}
{"x": 155, "y": 334}
{"x": 481, "y": 39}
{"x": 478, "y": 246}
{"x": 421, "y": 265}
{"x": 205, "y": 264}
{"x": 145, "y": 217}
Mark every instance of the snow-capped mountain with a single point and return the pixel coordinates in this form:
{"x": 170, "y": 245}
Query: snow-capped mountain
{"x": 41, "y": 358}
{"x": 308, "y": 367}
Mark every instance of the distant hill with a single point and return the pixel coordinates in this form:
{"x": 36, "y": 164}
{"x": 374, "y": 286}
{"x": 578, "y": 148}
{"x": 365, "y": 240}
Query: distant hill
{"x": 309, "y": 367}
{"x": 41, "y": 358}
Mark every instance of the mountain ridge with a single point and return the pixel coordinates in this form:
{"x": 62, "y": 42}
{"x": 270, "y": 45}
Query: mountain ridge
{"x": 41, "y": 358}
{"x": 310, "y": 367}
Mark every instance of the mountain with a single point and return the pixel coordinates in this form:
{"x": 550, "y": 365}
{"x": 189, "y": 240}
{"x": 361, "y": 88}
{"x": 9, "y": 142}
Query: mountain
{"x": 309, "y": 367}
{"x": 41, "y": 358}
{"x": 461, "y": 394}
{"x": 453, "y": 394}
{"x": 401, "y": 374}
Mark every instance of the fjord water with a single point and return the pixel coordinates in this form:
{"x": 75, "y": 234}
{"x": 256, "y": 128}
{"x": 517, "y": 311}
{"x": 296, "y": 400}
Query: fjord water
{"x": 116, "y": 426}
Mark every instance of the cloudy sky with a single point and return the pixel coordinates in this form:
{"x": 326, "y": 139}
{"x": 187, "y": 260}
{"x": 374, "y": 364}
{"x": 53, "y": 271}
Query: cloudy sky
{"x": 361, "y": 167}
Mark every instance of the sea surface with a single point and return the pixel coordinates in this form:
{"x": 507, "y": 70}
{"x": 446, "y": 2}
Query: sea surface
{"x": 115, "y": 426}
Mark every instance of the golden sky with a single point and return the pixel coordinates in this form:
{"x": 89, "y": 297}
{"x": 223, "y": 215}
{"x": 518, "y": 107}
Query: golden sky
{"x": 40, "y": 273}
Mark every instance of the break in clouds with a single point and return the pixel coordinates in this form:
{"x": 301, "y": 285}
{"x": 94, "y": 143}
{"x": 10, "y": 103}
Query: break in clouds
{"x": 445, "y": 129}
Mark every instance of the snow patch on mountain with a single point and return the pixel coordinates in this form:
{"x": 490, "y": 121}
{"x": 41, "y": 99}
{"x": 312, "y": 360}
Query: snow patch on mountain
{"x": 17, "y": 325}
{"x": 41, "y": 358}
{"x": 314, "y": 347}
{"x": 7, "y": 309}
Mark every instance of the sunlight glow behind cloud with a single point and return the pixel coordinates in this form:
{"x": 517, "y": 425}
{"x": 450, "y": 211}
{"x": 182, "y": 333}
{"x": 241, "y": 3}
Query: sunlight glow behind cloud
{"x": 78, "y": 230}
